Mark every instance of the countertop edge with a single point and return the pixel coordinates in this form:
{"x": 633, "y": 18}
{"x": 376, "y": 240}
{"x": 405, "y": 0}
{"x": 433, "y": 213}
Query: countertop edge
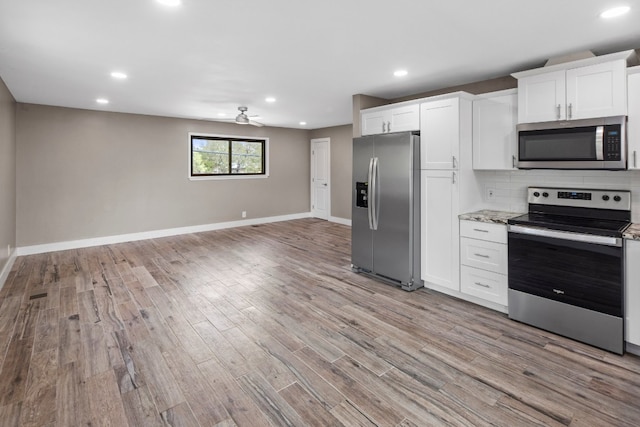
{"x": 489, "y": 216}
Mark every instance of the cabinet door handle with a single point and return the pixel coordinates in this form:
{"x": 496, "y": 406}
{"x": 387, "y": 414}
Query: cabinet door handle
{"x": 570, "y": 110}
{"x": 482, "y": 284}
{"x": 453, "y": 177}
{"x": 384, "y": 127}
{"x": 388, "y": 126}
{"x": 482, "y": 255}
{"x": 513, "y": 162}
{"x": 481, "y": 230}
{"x": 558, "y": 111}
{"x": 454, "y": 162}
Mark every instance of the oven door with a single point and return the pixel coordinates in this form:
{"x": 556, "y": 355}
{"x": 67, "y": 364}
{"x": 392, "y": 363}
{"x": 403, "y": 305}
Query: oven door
{"x": 577, "y": 269}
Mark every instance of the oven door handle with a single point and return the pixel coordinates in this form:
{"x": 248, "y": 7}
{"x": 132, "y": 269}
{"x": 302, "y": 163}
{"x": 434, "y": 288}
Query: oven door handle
{"x": 566, "y": 235}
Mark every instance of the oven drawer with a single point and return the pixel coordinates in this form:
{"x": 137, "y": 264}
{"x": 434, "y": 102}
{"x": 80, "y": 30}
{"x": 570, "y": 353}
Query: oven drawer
{"x": 484, "y": 231}
{"x": 489, "y": 256}
{"x": 484, "y": 284}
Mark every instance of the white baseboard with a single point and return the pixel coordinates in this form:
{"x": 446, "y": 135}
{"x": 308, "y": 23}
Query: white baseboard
{"x": 132, "y": 237}
{"x": 7, "y": 267}
{"x": 632, "y": 348}
{"x": 339, "y": 220}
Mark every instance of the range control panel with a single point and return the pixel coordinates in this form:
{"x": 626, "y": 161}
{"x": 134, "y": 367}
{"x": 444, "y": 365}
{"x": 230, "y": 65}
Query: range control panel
{"x": 585, "y": 198}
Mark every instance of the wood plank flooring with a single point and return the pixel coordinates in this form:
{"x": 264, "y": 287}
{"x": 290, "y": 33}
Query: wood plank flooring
{"x": 267, "y": 326}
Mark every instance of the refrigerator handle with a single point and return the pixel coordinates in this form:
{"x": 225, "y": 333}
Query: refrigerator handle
{"x": 374, "y": 194}
{"x": 370, "y": 194}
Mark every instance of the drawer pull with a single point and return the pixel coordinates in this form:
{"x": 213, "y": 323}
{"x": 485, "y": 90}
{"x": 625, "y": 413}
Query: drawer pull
{"x": 480, "y": 230}
{"x": 482, "y": 255}
{"x": 482, "y": 284}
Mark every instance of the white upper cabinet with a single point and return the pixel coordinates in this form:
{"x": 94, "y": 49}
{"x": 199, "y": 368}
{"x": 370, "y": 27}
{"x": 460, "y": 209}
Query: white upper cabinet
{"x": 440, "y": 134}
{"x": 541, "y": 98}
{"x": 633, "y": 124}
{"x": 388, "y": 119}
{"x": 494, "y": 130}
{"x": 597, "y": 91}
{"x": 588, "y": 88}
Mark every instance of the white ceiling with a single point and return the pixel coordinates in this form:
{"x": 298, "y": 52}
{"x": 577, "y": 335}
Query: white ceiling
{"x": 210, "y": 56}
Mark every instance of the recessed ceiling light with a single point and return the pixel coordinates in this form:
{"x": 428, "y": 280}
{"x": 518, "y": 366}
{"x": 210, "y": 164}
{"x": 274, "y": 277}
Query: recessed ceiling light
{"x": 303, "y": 123}
{"x": 270, "y": 99}
{"x": 400, "y": 73}
{"x": 102, "y": 101}
{"x": 170, "y": 2}
{"x": 616, "y": 11}
{"x": 118, "y": 75}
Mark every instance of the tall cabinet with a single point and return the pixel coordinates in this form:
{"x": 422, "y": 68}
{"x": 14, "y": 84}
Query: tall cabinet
{"x": 633, "y": 124}
{"x": 448, "y": 185}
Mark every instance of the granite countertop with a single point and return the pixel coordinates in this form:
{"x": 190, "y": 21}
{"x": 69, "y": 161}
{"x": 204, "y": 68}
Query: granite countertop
{"x": 496, "y": 217}
{"x": 633, "y": 232}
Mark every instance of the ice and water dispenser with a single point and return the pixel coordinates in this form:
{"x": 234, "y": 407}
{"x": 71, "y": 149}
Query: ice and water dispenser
{"x": 362, "y": 194}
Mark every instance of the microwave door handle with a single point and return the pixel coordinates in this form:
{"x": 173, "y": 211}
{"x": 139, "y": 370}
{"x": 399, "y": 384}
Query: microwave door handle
{"x": 599, "y": 143}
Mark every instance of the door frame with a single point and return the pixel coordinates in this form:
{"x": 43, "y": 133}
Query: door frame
{"x": 311, "y": 177}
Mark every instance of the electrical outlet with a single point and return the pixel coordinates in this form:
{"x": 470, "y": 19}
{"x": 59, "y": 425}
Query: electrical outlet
{"x": 244, "y": 214}
{"x": 490, "y": 193}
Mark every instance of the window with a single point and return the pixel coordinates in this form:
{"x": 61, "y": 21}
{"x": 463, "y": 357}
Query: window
{"x": 227, "y": 156}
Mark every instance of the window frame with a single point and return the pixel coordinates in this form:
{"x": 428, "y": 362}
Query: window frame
{"x": 231, "y": 138}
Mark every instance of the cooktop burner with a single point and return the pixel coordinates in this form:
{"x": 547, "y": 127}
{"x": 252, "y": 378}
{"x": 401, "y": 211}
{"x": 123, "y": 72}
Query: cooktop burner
{"x": 597, "y": 212}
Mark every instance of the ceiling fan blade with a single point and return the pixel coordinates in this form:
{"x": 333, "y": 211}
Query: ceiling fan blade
{"x": 254, "y": 123}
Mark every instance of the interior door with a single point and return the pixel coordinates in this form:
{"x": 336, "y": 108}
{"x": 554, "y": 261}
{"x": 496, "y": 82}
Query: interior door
{"x": 320, "y": 178}
{"x": 392, "y": 251}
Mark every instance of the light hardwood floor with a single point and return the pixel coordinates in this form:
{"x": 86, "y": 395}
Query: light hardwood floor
{"x": 267, "y": 325}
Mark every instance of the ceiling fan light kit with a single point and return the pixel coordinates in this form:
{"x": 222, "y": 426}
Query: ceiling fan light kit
{"x": 243, "y": 119}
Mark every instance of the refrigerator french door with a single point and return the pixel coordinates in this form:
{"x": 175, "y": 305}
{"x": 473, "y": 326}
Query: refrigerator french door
{"x": 385, "y": 222}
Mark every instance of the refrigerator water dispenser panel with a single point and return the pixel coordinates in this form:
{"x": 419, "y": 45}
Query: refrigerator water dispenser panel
{"x": 362, "y": 194}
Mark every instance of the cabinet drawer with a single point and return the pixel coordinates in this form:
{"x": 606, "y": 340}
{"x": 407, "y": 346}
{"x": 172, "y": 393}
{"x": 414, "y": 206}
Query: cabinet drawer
{"x": 489, "y": 256}
{"x": 484, "y": 284}
{"x": 484, "y": 231}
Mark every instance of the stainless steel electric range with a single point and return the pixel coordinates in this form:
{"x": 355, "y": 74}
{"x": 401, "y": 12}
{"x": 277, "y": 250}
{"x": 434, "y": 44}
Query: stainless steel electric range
{"x": 566, "y": 264}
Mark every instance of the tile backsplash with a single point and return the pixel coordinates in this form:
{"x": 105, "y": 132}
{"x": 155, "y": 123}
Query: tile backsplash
{"x": 509, "y": 188}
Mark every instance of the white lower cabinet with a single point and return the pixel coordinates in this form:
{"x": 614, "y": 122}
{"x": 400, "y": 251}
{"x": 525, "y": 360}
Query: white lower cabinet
{"x": 632, "y": 292}
{"x": 439, "y": 225}
{"x": 483, "y": 261}
{"x": 483, "y": 284}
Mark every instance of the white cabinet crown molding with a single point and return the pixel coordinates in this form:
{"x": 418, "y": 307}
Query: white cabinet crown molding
{"x": 629, "y": 55}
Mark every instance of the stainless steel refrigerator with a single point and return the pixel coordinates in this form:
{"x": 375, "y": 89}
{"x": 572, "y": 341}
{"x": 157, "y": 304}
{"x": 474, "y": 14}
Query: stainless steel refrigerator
{"x": 385, "y": 215}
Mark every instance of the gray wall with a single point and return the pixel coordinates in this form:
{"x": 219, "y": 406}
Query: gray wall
{"x": 341, "y": 137}
{"x": 7, "y": 173}
{"x": 87, "y": 174}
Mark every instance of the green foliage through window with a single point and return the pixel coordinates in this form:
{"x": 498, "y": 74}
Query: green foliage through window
{"x": 220, "y": 156}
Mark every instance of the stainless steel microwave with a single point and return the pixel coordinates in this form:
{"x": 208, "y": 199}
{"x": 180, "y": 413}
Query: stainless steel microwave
{"x": 573, "y": 144}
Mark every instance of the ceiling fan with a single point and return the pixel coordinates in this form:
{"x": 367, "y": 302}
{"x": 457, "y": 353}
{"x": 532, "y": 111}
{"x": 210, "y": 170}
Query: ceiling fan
{"x": 243, "y": 119}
